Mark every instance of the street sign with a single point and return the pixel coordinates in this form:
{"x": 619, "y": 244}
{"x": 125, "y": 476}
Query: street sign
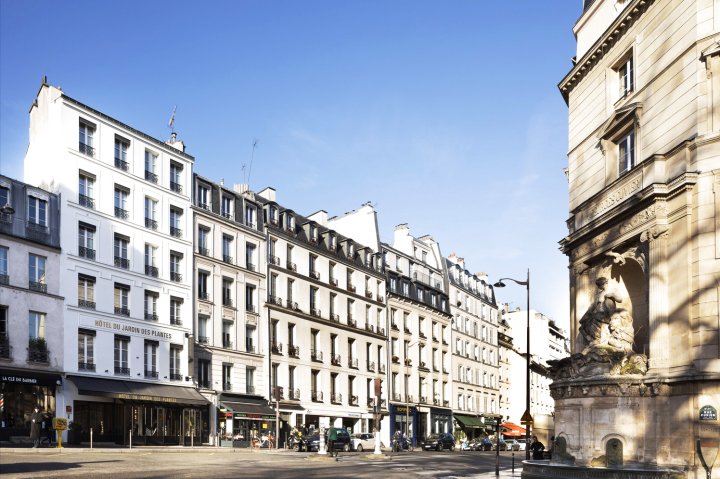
{"x": 527, "y": 418}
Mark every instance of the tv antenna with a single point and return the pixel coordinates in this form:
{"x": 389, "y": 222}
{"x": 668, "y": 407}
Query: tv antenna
{"x": 171, "y": 123}
{"x": 252, "y": 157}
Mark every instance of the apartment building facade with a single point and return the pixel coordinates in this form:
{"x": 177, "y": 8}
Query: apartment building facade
{"x": 125, "y": 272}
{"x": 475, "y": 350}
{"x": 230, "y": 330}
{"x": 419, "y": 377}
{"x": 31, "y": 307}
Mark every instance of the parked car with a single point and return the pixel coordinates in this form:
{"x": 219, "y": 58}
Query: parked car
{"x": 522, "y": 443}
{"x": 341, "y": 444}
{"x": 513, "y": 445}
{"x": 501, "y": 444}
{"x": 438, "y": 442}
{"x": 483, "y": 444}
{"x": 364, "y": 441}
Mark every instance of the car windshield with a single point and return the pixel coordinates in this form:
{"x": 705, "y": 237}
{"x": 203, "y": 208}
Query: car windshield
{"x": 434, "y": 436}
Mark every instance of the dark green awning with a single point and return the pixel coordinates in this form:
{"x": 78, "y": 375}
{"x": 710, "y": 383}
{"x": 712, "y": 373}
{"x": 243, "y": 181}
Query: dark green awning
{"x": 469, "y": 421}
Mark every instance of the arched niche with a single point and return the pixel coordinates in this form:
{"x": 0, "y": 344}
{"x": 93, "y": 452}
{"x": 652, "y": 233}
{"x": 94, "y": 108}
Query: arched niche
{"x": 632, "y": 280}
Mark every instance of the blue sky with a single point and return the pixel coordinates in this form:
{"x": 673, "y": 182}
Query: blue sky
{"x": 445, "y": 115}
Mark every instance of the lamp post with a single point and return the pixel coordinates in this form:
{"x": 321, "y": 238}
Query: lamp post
{"x": 527, "y": 415}
{"x": 407, "y": 386}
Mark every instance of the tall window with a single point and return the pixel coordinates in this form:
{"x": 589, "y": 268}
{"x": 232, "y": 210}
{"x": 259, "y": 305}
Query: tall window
{"x": 227, "y": 284}
{"x": 626, "y": 152}
{"x": 227, "y": 334}
{"x": 227, "y": 249}
{"x": 36, "y": 273}
{"x": 203, "y": 373}
{"x": 37, "y": 211}
{"x": 122, "y": 357}
{"x": 4, "y": 278}
{"x": 250, "y": 256}
{"x": 121, "y": 251}
{"x": 36, "y": 328}
{"x": 202, "y": 197}
{"x": 250, "y": 216}
{"x": 175, "y": 174}
{"x": 122, "y": 293}
{"x": 86, "y": 190}
{"x": 151, "y": 370}
{"x": 226, "y": 207}
{"x": 250, "y": 338}
{"x": 151, "y": 300}
{"x": 121, "y": 150}
{"x": 86, "y": 354}
{"x": 203, "y": 329}
{"x": 249, "y": 379}
{"x": 175, "y": 266}
{"x": 4, "y": 196}
{"x": 625, "y": 76}
{"x": 175, "y": 364}
{"x": 350, "y": 309}
{"x": 314, "y": 301}
{"x": 86, "y": 291}
{"x": 86, "y": 240}
{"x": 121, "y": 202}
{"x": 150, "y": 260}
{"x": 150, "y": 166}
{"x": 175, "y": 222}
{"x": 151, "y": 213}
{"x": 175, "y": 310}
{"x": 227, "y": 377}
{"x": 250, "y": 298}
{"x": 86, "y": 134}
{"x": 203, "y": 234}
{"x": 202, "y": 286}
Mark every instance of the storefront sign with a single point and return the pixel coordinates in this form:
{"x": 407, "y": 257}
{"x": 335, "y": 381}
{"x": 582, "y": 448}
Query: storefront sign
{"x": 29, "y": 379}
{"x": 143, "y": 397}
{"x": 708, "y": 413}
{"x": 131, "y": 329}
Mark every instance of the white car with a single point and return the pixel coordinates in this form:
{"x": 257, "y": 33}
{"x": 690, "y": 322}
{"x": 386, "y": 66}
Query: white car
{"x": 521, "y": 443}
{"x": 364, "y": 441}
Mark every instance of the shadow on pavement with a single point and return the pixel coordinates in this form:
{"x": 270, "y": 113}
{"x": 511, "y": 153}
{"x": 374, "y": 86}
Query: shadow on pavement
{"x": 26, "y": 467}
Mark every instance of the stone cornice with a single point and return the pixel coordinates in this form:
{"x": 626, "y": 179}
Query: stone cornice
{"x": 602, "y": 46}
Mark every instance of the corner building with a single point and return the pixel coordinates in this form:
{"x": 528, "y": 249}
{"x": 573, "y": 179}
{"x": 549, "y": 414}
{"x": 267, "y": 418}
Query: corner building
{"x": 124, "y": 273}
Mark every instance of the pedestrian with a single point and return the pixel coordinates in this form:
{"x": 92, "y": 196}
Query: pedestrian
{"x": 537, "y": 448}
{"x": 332, "y": 437}
{"x": 254, "y": 442}
{"x": 35, "y": 420}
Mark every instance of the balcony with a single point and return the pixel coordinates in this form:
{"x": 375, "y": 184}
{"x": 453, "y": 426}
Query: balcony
{"x": 84, "y": 303}
{"x": 409, "y": 399}
{"x": 294, "y": 394}
{"x": 334, "y": 281}
{"x": 151, "y": 177}
{"x": 37, "y": 351}
{"x": 37, "y": 286}
{"x": 228, "y": 302}
{"x": 151, "y": 316}
{"x": 226, "y": 214}
{"x": 84, "y": 252}
{"x": 335, "y": 360}
{"x": 422, "y": 335}
{"x": 203, "y": 295}
{"x": 249, "y": 346}
{"x": 315, "y": 312}
{"x": 176, "y": 277}
{"x": 336, "y": 398}
{"x": 151, "y": 224}
{"x": 176, "y": 187}
{"x": 316, "y": 396}
{"x": 290, "y": 304}
{"x": 353, "y": 400}
{"x": 316, "y": 355}
{"x": 352, "y": 323}
{"x": 174, "y": 376}
{"x": 371, "y": 402}
{"x": 274, "y": 260}
{"x": 408, "y": 362}
{"x": 275, "y": 300}
{"x": 175, "y": 320}
{"x": 314, "y": 275}
{"x": 86, "y": 149}
{"x": 381, "y": 331}
{"x": 227, "y": 344}
{"x": 86, "y": 366}
{"x": 121, "y": 165}
{"x": 203, "y": 251}
{"x": 249, "y": 389}
{"x": 151, "y": 374}
{"x": 122, "y": 371}
{"x": 121, "y": 262}
{"x": 351, "y": 288}
{"x": 353, "y": 363}
{"x": 423, "y": 400}
{"x": 293, "y": 351}
{"x": 204, "y": 206}
{"x": 423, "y": 366}
{"x": 175, "y": 232}
{"x": 121, "y": 213}
{"x": 406, "y": 329}
{"x": 334, "y": 317}
{"x": 5, "y": 347}
{"x": 227, "y": 386}
{"x": 368, "y": 294}
{"x": 369, "y": 327}
{"x": 291, "y": 266}
{"x": 151, "y": 271}
{"x": 86, "y": 201}
{"x": 122, "y": 311}
{"x": 371, "y": 366}
{"x": 276, "y": 349}
{"x": 381, "y": 299}
{"x": 250, "y": 266}
{"x": 227, "y": 259}
{"x": 446, "y": 403}
{"x": 203, "y": 340}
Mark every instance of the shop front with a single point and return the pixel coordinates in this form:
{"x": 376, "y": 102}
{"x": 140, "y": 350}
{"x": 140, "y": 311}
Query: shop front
{"x": 440, "y": 420}
{"x": 404, "y": 419}
{"x": 469, "y": 427}
{"x": 145, "y": 413}
{"x": 239, "y": 415}
{"x": 20, "y": 391}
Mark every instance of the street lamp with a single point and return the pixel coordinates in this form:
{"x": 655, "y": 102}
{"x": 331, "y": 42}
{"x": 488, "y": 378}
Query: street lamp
{"x": 527, "y": 415}
{"x": 407, "y": 386}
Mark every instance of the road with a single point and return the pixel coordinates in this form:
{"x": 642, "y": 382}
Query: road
{"x": 216, "y": 464}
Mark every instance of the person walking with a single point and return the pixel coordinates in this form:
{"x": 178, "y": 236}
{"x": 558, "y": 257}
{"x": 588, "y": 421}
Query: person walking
{"x": 332, "y": 437}
{"x": 35, "y": 420}
{"x": 537, "y": 448}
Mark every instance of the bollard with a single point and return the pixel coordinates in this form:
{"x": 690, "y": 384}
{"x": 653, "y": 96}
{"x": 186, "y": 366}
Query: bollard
{"x": 91, "y": 438}
{"x": 192, "y": 440}
{"x": 513, "y": 463}
{"x": 130, "y": 438}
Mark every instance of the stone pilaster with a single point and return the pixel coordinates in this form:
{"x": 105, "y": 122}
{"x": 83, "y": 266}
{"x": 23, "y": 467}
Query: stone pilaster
{"x": 657, "y": 241}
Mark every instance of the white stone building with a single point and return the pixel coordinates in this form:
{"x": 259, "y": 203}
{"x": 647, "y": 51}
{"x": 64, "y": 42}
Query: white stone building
{"x": 125, "y": 272}
{"x": 31, "y": 307}
{"x": 475, "y": 350}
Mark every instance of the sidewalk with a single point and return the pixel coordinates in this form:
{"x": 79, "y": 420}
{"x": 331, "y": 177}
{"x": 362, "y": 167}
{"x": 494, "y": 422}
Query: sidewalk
{"x": 504, "y": 474}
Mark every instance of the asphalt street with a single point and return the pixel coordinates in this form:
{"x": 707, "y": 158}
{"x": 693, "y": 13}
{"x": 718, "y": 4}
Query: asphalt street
{"x": 215, "y": 464}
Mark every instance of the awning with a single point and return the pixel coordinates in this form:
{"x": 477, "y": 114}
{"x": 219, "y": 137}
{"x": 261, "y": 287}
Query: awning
{"x": 137, "y": 391}
{"x": 245, "y": 407}
{"x": 28, "y": 377}
{"x": 469, "y": 421}
{"x": 513, "y": 430}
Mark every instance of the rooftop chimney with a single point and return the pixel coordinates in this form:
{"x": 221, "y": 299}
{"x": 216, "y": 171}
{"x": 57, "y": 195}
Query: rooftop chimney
{"x": 175, "y": 143}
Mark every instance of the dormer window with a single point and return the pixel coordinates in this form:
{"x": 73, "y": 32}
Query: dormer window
{"x": 290, "y": 223}
{"x": 226, "y": 207}
{"x": 333, "y": 242}
{"x": 273, "y": 215}
{"x": 202, "y": 197}
{"x": 351, "y": 250}
{"x": 250, "y": 216}
{"x": 313, "y": 234}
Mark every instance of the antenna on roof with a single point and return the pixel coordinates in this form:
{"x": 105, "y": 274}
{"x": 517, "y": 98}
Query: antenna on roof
{"x": 171, "y": 123}
{"x": 252, "y": 157}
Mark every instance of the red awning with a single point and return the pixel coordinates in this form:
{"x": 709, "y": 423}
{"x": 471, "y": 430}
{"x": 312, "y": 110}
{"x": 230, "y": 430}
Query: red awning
{"x": 513, "y": 430}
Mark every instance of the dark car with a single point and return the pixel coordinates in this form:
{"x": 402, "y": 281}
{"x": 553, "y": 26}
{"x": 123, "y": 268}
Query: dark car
{"x": 483, "y": 444}
{"x": 343, "y": 442}
{"x": 502, "y": 445}
{"x": 438, "y": 442}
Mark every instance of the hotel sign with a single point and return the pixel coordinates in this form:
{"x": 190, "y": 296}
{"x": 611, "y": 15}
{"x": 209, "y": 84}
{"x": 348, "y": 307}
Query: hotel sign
{"x": 130, "y": 329}
{"x": 144, "y": 397}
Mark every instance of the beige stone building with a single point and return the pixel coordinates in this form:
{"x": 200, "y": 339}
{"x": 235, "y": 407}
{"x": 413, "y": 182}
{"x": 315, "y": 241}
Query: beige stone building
{"x": 644, "y": 202}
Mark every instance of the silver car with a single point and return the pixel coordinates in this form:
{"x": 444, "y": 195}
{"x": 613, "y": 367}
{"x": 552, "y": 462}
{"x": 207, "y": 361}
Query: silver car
{"x": 363, "y": 441}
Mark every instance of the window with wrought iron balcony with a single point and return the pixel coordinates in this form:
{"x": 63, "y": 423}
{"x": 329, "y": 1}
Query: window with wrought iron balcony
{"x": 86, "y": 366}
{"x": 227, "y": 386}
{"x": 336, "y": 398}
{"x": 151, "y": 177}
{"x": 335, "y": 360}
{"x": 122, "y": 310}
{"x": 122, "y": 371}
{"x": 86, "y": 201}
{"x": 293, "y": 351}
{"x": 176, "y": 232}
{"x": 38, "y": 350}
{"x": 151, "y": 224}
{"x": 38, "y": 286}
{"x": 86, "y": 149}
{"x": 316, "y": 355}
{"x": 316, "y": 396}
{"x": 151, "y": 374}
{"x": 227, "y": 344}
{"x": 151, "y": 270}
{"x": 371, "y": 366}
{"x": 203, "y": 340}
{"x": 176, "y": 187}
{"x": 121, "y": 164}
{"x": 85, "y": 252}
{"x": 87, "y": 304}
{"x": 175, "y": 375}
{"x": 121, "y": 213}
{"x": 276, "y": 348}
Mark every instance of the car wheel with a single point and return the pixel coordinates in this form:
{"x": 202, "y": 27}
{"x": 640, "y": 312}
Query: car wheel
{"x": 452, "y": 447}
{"x": 359, "y": 448}
{"x": 346, "y": 448}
